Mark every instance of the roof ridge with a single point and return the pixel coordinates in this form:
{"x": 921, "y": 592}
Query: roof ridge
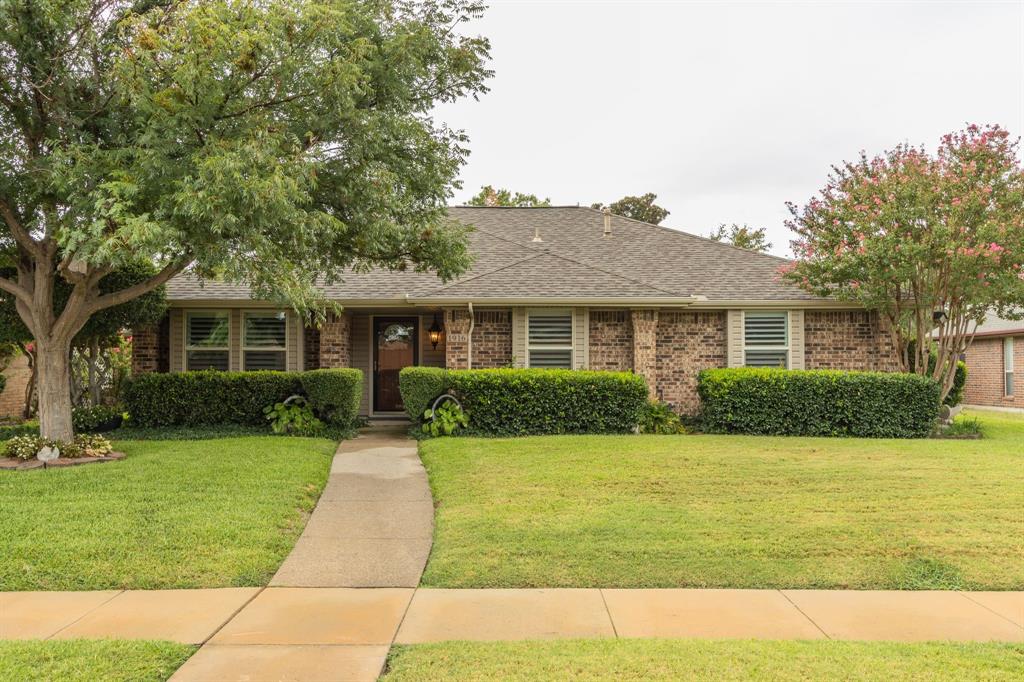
{"x": 583, "y": 263}
{"x": 538, "y": 254}
{"x": 695, "y": 236}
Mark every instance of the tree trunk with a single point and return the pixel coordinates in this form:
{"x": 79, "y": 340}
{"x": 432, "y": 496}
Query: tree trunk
{"x": 53, "y": 360}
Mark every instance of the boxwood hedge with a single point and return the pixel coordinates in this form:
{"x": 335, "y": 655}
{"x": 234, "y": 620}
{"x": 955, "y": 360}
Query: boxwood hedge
{"x": 211, "y": 397}
{"x": 334, "y": 394}
{"x": 817, "y": 403}
{"x": 420, "y": 386}
{"x": 517, "y": 402}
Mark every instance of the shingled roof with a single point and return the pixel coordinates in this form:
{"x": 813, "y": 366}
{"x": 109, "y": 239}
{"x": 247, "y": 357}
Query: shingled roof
{"x": 573, "y": 260}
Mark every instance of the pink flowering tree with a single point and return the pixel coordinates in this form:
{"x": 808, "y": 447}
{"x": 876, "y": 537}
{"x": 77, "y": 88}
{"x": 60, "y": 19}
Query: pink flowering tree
{"x": 931, "y": 242}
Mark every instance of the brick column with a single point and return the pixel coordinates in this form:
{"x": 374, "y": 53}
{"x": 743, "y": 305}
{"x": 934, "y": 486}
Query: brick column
{"x": 456, "y": 339}
{"x": 145, "y": 350}
{"x": 336, "y": 341}
{"x": 645, "y": 347}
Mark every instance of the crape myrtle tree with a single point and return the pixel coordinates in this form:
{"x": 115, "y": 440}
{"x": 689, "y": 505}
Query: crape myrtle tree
{"x": 932, "y": 242}
{"x": 277, "y": 143}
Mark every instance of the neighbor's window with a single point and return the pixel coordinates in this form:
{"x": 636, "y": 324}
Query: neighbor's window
{"x": 766, "y": 339}
{"x": 1008, "y": 365}
{"x": 264, "y": 338}
{"x": 206, "y": 341}
{"x": 549, "y": 338}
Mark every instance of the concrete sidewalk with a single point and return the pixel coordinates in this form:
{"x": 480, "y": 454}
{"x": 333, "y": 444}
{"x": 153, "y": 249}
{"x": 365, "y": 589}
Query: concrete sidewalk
{"x": 374, "y": 523}
{"x": 302, "y": 633}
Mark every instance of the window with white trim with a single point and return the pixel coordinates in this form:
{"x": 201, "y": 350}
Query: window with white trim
{"x": 207, "y": 339}
{"x": 264, "y": 341}
{"x": 1008, "y": 366}
{"x": 549, "y": 339}
{"x": 766, "y": 339}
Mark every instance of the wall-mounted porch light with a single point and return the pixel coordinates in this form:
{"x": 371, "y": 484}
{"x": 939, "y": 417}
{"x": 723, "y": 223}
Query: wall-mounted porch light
{"x": 940, "y": 317}
{"x": 435, "y": 332}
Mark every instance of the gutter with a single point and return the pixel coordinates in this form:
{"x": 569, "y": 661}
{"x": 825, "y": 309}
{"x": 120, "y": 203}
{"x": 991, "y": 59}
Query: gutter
{"x": 661, "y": 301}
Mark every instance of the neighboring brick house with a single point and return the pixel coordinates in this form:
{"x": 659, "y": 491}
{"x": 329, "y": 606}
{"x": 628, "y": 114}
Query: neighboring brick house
{"x": 12, "y": 397}
{"x": 549, "y": 287}
{"x": 995, "y": 365}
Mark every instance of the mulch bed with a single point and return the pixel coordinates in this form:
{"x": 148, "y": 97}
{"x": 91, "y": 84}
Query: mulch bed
{"x": 12, "y": 463}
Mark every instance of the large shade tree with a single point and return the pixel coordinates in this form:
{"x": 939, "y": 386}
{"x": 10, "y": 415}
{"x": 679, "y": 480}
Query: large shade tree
{"x": 931, "y": 241}
{"x": 277, "y": 143}
{"x": 640, "y": 208}
{"x": 489, "y": 196}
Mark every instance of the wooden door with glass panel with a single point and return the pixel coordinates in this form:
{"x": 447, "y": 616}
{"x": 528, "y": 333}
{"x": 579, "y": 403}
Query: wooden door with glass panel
{"x": 395, "y": 346}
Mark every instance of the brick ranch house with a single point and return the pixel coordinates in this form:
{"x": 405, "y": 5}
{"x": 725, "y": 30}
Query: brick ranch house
{"x": 550, "y": 287}
{"x": 995, "y": 353}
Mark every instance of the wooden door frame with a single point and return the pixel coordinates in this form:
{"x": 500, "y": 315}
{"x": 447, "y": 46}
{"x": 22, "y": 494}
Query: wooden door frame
{"x": 375, "y": 321}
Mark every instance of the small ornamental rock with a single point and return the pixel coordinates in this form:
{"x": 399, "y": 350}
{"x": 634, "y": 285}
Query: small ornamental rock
{"x": 47, "y": 454}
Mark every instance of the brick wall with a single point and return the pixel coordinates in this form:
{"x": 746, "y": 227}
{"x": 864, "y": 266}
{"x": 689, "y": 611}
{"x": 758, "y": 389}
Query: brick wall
{"x": 611, "y": 340}
{"x": 336, "y": 341}
{"x": 146, "y": 350}
{"x": 311, "y": 348}
{"x": 456, "y": 338}
{"x": 12, "y": 398}
{"x": 849, "y": 340}
{"x": 492, "y": 339}
{"x": 985, "y": 373}
{"x": 645, "y": 347}
{"x": 687, "y": 344}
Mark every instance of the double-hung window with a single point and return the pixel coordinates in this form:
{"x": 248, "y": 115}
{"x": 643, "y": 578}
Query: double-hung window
{"x": 207, "y": 340}
{"x": 549, "y": 338}
{"x": 766, "y": 339}
{"x": 1008, "y": 366}
{"x": 264, "y": 341}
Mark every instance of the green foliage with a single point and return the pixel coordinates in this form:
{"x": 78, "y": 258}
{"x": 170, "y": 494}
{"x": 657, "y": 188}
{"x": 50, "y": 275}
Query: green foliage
{"x": 420, "y": 387}
{"x": 956, "y": 392}
{"x": 518, "y": 402}
{"x": 817, "y": 403}
{"x": 659, "y": 418}
{"x": 220, "y": 431}
{"x": 964, "y": 427}
{"x": 30, "y": 428}
{"x": 210, "y": 397}
{"x": 97, "y": 419}
{"x": 84, "y": 445}
{"x": 640, "y": 208}
{"x": 446, "y": 420}
{"x": 334, "y": 394}
{"x": 489, "y": 196}
{"x": 3, "y": 382}
{"x": 743, "y": 236}
{"x": 292, "y": 416}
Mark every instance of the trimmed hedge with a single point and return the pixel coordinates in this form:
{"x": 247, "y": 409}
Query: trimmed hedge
{"x": 420, "y": 386}
{"x": 956, "y": 393}
{"x": 334, "y": 394}
{"x": 519, "y": 402}
{"x": 211, "y": 397}
{"x": 817, "y": 403}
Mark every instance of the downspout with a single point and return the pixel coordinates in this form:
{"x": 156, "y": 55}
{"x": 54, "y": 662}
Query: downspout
{"x": 469, "y": 341}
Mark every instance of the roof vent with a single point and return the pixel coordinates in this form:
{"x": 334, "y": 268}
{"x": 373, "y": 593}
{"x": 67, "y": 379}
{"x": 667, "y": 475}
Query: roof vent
{"x": 607, "y": 222}
{"x": 536, "y": 235}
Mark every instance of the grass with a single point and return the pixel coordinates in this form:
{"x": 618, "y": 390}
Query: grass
{"x": 730, "y": 511}
{"x": 636, "y": 659}
{"x": 172, "y": 514}
{"x": 80, "y": 660}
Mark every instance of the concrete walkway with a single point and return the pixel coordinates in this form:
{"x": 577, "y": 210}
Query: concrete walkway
{"x": 374, "y": 522}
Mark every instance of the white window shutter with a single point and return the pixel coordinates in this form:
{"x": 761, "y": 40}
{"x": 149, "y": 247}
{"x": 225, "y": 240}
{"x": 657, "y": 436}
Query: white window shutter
{"x": 796, "y": 339}
{"x": 734, "y": 338}
{"x": 519, "y": 337}
{"x": 581, "y": 338}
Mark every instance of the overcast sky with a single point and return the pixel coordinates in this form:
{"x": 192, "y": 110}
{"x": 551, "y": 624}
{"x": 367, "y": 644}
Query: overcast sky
{"x": 726, "y": 110}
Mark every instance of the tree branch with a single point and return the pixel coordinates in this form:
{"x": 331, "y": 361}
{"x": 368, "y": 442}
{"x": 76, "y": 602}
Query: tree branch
{"x": 21, "y": 235}
{"x": 136, "y": 290}
{"x": 18, "y": 291}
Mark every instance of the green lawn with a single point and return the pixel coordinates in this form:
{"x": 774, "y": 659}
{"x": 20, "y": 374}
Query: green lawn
{"x": 84, "y": 660}
{"x": 636, "y": 659}
{"x": 203, "y": 513}
{"x": 729, "y": 511}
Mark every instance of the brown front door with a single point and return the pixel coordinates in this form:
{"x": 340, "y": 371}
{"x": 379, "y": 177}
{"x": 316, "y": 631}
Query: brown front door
{"x": 395, "y": 346}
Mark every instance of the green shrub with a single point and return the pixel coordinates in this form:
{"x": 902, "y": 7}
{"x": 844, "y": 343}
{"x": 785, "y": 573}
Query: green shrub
{"x": 96, "y": 419}
{"x": 85, "y": 445}
{"x": 292, "y": 416}
{"x": 516, "y": 402}
{"x": 420, "y": 386}
{"x": 30, "y": 428}
{"x": 658, "y": 417}
{"x": 209, "y": 397}
{"x": 817, "y": 403}
{"x": 956, "y": 393}
{"x": 446, "y": 420}
{"x": 334, "y": 394}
